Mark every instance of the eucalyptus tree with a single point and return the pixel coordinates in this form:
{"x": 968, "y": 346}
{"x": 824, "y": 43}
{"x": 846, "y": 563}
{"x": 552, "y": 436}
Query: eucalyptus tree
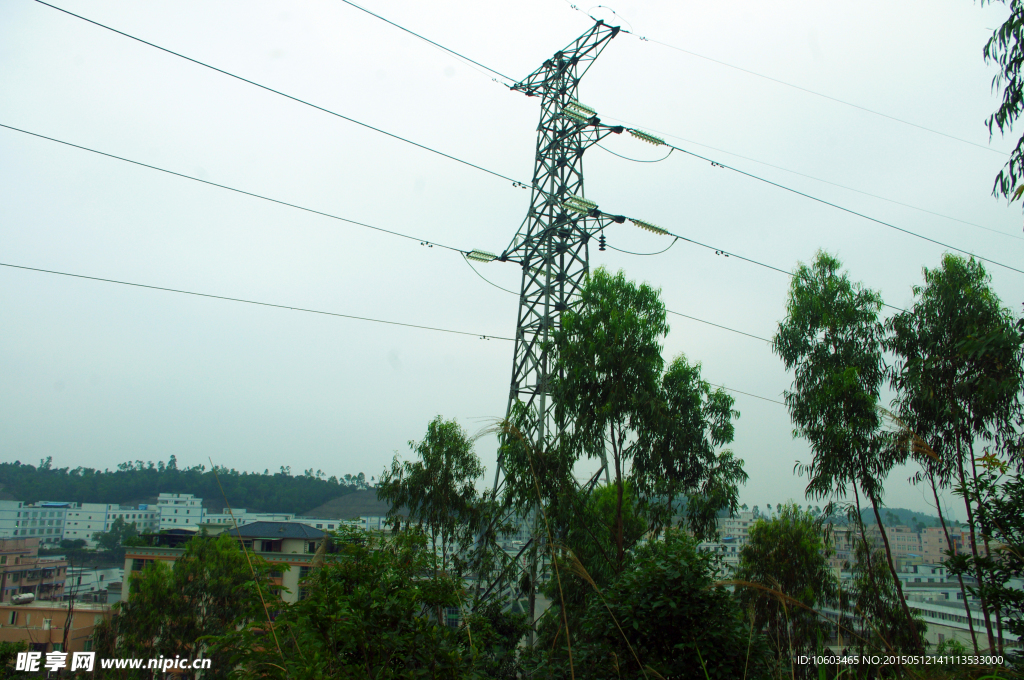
{"x": 679, "y": 453}
{"x": 785, "y": 566}
{"x": 832, "y": 341}
{"x": 438, "y": 490}
{"x": 958, "y": 378}
{"x": 606, "y": 376}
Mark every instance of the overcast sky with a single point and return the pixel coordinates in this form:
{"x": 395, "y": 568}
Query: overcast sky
{"x": 95, "y": 373}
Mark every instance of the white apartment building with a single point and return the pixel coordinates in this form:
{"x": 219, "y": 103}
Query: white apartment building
{"x": 84, "y": 522}
{"x": 733, "y": 533}
{"x": 44, "y": 520}
{"x": 179, "y": 511}
{"x": 184, "y": 511}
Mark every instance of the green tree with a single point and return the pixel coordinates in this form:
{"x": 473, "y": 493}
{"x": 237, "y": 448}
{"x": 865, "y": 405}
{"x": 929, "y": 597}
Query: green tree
{"x": 1006, "y": 48}
{"x": 832, "y": 340}
{"x": 607, "y": 365}
{"x": 786, "y": 560}
{"x": 180, "y": 610}
{"x": 438, "y": 490}
{"x": 121, "y": 533}
{"x": 665, "y": 616}
{"x": 8, "y": 655}
{"x": 958, "y": 378}
{"x": 363, "y": 618}
{"x": 1000, "y": 488}
{"x": 679, "y": 456}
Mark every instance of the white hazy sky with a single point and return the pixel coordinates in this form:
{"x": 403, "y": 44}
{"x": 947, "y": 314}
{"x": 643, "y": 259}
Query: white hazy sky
{"x": 94, "y": 373}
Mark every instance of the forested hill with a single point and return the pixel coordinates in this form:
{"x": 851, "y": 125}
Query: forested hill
{"x": 131, "y": 482}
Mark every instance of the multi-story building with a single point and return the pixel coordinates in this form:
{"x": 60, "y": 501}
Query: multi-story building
{"x": 84, "y": 522}
{"x": 90, "y": 584}
{"x": 44, "y": 520}
{"x": 42, "y": 625}
{"x": 179, "y": 510}
{"x": 23, "y": 572}
{"x": 733, "y": 533}
{"x": 183, "y": 511}
{"x": 279, "y": 543}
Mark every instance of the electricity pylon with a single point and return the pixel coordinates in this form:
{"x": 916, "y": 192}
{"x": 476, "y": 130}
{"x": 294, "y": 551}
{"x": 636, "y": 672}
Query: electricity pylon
{"x": 552, "y": 245}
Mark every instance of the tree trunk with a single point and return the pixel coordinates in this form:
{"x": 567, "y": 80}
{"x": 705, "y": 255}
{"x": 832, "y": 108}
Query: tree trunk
{"x": 896, "y": 577}
{"x": 620, "y": 553}
{"x": 974, "y": 553}
{"x": 984, "y": 535}
{"x": 952, "y": 549}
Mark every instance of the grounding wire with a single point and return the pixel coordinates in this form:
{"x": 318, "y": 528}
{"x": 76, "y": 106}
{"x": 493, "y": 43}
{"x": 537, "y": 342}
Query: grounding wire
{"x": 253, "y": 302}
{"x": 846, "y": 210}
{"x": 791, "y": 85}
{"x": 287, "y": 96}
{"x": 438, "y": 45}
{"x": 238, "y": 191}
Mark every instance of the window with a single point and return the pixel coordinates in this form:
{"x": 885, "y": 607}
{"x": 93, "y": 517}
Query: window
{"x": 14, "y": 618}
{"x": 303, "y": 572}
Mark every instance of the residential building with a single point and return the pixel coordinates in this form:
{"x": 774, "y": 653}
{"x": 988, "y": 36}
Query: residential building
{"x": 279, "y": 543}
{"x": 90, "y": 584}
{"x": 733, "y": 533}
{"x": 179, "y": 510}
{"x": 23, "y": 572}
{"x": 42, "y": 625}
{"x": 44, "y": 520}
{"x": 84, "y": 522}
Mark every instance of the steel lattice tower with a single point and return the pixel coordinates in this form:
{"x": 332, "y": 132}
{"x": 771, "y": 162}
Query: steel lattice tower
{"x": 552, "y": 245}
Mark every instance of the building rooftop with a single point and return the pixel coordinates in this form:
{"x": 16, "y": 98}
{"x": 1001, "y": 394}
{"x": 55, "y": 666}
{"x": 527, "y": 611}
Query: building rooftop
{"x": 276, "y": 530}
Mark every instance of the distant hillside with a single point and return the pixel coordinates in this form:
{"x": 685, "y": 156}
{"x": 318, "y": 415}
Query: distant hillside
{"x": 351, "y": 506}
{"x": 137, "y": 482}
{"x": 890, "y": 516}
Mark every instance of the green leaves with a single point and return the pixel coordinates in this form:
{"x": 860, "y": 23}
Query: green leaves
{"x": 438, "y": 490}
{"x": 831, "y": 339}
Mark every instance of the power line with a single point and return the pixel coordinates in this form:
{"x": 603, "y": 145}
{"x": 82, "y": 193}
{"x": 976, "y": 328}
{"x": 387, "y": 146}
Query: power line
{"x": 254, "y": 302}
{"x": 755, "y": 396}
{"x": 847, "y": 210}
{"x": 438, "y": 45}
{"x": 727, "y": 253}
{"x": 685, "y": 316}
{"x": 796, "y": 87}
{"x": 816, "y": 179}
{"x": 287, "y": 96}
{"x": 732, "y": 330}
{"x": 237, "y": 191}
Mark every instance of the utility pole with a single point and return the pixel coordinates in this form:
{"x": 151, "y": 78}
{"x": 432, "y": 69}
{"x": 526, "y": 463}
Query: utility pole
{"x": 552, "y": 246}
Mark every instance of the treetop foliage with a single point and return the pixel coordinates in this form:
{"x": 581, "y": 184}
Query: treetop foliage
{"x": 277, "y": 492}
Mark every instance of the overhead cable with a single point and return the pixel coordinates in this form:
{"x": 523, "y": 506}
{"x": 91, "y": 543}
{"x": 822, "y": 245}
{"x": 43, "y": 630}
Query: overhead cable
{"x": 846, "y": 210}
{"x": 237, "y": 191}
{"x": 255, "y": 302}
{"x": 779, "y": 81}
{"x": 438, "y": 45}
{"x": 818, "y": 179}
{"x": 288, "y": 96}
